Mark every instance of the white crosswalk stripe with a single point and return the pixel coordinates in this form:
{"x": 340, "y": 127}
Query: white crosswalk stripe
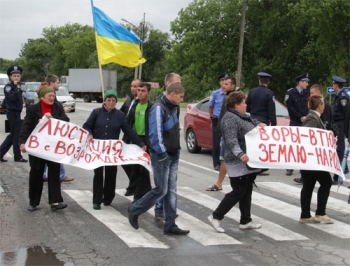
{"x": 203, "y": 233}
{"x": 269, "y": 229}
{"x": 200, "y": 231}
{"x": 116, "y": 222}
{"x": 293, "y": 212}
{"x": 340, "y": 190}
{"x": 332, "y": 204}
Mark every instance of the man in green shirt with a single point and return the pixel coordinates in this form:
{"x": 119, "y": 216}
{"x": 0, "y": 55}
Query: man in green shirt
{"x": 138, "y": 175}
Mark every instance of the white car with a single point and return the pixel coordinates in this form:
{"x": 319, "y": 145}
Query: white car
{"x": 63, "y": 97}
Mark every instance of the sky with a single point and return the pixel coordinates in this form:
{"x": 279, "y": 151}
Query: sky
{"x": 21, "y": 20}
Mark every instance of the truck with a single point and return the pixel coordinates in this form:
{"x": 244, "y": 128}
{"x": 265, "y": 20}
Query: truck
{"x": 86, "y": 83}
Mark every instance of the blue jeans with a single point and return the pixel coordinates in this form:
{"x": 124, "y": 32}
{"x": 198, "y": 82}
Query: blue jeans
{"x": 165, "y": 178}
{"x": 62, "y": 172}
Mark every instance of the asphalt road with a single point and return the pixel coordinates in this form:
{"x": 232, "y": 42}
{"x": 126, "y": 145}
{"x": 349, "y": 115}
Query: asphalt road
{"x": 80, "y": 235}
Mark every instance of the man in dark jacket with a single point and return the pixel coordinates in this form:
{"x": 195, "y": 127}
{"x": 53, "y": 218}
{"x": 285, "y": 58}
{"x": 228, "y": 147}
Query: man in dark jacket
{"x": 164, "y": 137}
{"x": 131, "y": 99}
{"x": 14, "y": 105}
{"x": 139, "y": 178}
{"x": 296, "y": 100}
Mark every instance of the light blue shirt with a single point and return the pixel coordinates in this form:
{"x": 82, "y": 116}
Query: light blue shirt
{"x": 215, "y": 101}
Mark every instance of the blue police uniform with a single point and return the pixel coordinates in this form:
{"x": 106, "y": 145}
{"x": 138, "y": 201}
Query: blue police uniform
{"x": 216, "y": 101}
{"x": 261, "y": 103}
{"x": 340, "y": 110}
{"x": 14, "y": 105}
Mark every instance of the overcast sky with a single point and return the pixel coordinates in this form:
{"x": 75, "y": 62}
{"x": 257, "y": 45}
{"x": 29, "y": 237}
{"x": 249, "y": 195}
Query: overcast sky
{"x": 21, "y": 20}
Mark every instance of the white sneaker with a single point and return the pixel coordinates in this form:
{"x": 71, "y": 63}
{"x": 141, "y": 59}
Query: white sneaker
{"x": 323, "y": 219}
{"x": 250, "y": 225}
{"x": 216, "y": 224}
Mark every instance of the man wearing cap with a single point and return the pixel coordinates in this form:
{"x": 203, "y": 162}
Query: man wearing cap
{"x": 296, "y": 101}
{"x": 14, "y": 105}
{"x": 215, "y": 103}
{"x": 261, "y": 101}
{"x": 340, "y": 111}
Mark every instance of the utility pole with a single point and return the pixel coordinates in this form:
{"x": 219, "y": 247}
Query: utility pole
{"x": 241, "y": 39}
{"x": 142, "y": 36}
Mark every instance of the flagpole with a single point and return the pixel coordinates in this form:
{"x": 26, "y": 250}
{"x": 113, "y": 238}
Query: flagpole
{"x": 99, "y": 64}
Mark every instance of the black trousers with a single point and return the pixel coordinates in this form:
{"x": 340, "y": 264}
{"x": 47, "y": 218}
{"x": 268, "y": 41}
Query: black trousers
{"x": 242, "y": 189}
{"x": 309, "y": 181}
{"x": 340, "y": 143}
{"x": 130, "y": 172}
{"x": 14, "y": 118}
{"x": 104, "y": 190}
{"x": 36, "y": 181}
{"x": 216, "y": 143}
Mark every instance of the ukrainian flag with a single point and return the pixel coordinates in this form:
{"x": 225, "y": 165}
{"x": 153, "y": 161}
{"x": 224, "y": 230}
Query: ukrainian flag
{"x": 115, "y": 43}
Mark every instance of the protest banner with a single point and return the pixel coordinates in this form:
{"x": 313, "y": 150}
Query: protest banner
{"x": 67, "y": 143}
{"x": 293, "y": 148}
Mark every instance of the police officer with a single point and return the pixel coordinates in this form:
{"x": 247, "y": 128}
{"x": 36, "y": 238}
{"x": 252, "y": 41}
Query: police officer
{"x": 14, "y": 105}
{"x": 215, "y": 102}
{"x": 261, "y": 101}
{"x": 340, "y": 110}
{"x": 296, "y": 100}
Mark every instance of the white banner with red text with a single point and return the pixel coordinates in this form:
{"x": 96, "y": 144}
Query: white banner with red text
{"x": 287, "y": 147}
{"x": 66, "y": 143}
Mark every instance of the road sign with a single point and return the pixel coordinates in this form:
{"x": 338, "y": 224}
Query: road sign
{"x": 330, "y": 90}
{"x": 153, "y": 84}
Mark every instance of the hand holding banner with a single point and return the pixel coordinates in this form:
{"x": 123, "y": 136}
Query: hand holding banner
{"x": 67, "y": 143}
{"x": 293, "y": 148}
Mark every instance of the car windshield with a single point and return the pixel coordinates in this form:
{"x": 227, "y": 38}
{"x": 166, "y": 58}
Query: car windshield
{"x": 3, "y": 81}
{"x": 33, "y": 87}
{"x": 62, "y": 92}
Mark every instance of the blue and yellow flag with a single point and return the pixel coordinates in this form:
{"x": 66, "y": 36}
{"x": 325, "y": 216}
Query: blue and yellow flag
{"x": 115, "y": 43}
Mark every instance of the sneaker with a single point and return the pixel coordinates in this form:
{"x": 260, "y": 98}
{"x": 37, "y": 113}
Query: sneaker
{"x": 216, "y": 224}
{"x": 250, "y": 225}
{"x": 310, "y": 220}
{"x": 323, "y": 219}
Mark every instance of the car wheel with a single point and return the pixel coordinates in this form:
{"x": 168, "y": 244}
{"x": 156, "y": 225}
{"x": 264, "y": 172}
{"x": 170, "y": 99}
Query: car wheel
{"x": 87, "y": 98}
{"x": 191, "y": 142}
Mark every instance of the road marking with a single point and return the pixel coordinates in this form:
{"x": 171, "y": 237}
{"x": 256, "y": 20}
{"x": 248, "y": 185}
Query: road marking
{"x": 292, "y": 191}
{"x": 338, "y": 229}
{"x": 116, "y": 222}
{"x": 199, "y": 231}
{"x": 342, "y": 190}
{"x": 269, "y": 229}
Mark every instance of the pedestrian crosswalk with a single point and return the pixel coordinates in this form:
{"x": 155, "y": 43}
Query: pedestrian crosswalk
{"x": 205, "y": 235}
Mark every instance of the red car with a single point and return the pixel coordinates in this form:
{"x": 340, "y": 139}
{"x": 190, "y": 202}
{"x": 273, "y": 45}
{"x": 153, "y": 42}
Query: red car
{"x": 197, "y": 124}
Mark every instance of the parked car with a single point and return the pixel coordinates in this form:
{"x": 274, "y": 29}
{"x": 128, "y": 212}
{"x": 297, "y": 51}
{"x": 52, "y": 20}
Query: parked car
{"x": 29, "y": 91}
{"x": 63, "y": 96}
{"x": 3, "y": 81}
{"x": 197, "y": 124}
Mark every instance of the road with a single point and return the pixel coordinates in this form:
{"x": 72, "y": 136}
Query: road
{"x": 80, "y": 235}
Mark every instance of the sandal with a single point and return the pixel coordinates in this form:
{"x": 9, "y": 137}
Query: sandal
{"x": 213, "y": 188}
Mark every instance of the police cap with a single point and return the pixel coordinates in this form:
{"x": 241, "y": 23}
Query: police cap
{"x": 264, "y": 75}
{"x": 223, "y": 76}
{"x": 338, "y": 80}
{"x": 15, "y": 69}
{"x": 303, "y": 77}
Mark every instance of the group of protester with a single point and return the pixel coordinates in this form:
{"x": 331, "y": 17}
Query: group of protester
{"x": 231, "y": 123}
{"x": 155, "y": 128}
